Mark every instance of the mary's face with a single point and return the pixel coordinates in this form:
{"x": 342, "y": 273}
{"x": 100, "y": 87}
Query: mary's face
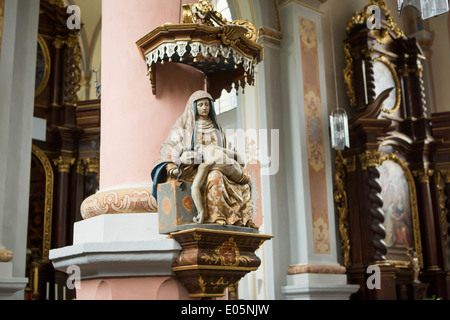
{"x": 203, "y": 108}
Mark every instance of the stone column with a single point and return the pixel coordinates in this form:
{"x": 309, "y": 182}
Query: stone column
{"x": 273, "y": 172}
{"x": 314, "y": 272}
{"x": 17, "y": 87}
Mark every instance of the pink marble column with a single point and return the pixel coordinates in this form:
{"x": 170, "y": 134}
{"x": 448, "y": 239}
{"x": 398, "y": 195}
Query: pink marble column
{"x": 134, "y": 121}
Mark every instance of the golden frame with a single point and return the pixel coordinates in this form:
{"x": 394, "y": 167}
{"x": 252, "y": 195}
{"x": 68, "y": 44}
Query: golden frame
{"x": 398, "y": 91}
{"x": 414, "y": 209}
{"x": 48, "y": 211}
{"x": 389, "y": 30}
{"x": 340, "y": 198}
{"x": 47, "y": 68}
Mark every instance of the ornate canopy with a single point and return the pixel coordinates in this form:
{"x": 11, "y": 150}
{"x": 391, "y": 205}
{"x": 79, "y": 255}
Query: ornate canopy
{"x": 226, "y": 52}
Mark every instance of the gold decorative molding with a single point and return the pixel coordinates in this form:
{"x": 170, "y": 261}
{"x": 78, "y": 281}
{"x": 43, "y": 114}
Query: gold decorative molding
{"x": 350, "y": 163}
{"x": 92, "y": 165}
{"x": 80, "y": 167}
{"x": 48, "y": 206}
{"x": 360, "y": 18}
{"x": 47, "y": 67}
{"x": 205, "y": 12}
{"x": 446, "y": 175}
{"x": 423, "y": 174}
{"x": 340, "y": 197}
{"x": 398, "y": 91}
{"x": 208, "y": 42}
{"x": 64, "y": 163}
{"x": 217, "y": 260}
{"x": 414, "y": 206}
{"x": 58, "y": 43}
{"x": 369, "y": 158}
{"x": 441, "y": 198}
{"x": 349, "y": 75}
{"x": 416, "y": 69}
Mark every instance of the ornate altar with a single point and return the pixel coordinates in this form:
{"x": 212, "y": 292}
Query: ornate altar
{"x": 65, "y": 164}
{"x": 389, "y": 182}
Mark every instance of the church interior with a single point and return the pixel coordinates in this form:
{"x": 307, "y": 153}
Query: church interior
{"x": 339, "y": 109}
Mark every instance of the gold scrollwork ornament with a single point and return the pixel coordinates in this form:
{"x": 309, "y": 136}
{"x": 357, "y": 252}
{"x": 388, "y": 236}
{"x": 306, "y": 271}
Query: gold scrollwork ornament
{"x": 340, "y": 197}
{"x": 369, "y": 158}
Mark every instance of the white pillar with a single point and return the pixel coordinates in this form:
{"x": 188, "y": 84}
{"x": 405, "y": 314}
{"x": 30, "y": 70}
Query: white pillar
{"x": 314, "y": 272}
{"x": 17, "y": 87}
{"x": 273, "y": 175}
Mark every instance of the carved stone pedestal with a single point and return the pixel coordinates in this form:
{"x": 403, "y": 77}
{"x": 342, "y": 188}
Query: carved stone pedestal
{"x": 215, "y": 257}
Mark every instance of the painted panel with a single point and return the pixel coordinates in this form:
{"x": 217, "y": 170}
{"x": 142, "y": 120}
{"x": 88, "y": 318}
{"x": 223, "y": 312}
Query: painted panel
{"x": 315, "y": 136}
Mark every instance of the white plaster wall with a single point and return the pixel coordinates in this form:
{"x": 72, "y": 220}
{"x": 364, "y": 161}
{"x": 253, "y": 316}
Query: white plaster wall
{"x": 17, "y": 86}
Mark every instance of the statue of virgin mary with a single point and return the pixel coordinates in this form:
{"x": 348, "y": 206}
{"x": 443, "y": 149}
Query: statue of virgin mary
{"x": 227, "y": 199}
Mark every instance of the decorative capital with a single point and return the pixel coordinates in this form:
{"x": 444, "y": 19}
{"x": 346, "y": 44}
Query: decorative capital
{"x": 350, "y": 163}
{"x": 58, "y": 43}
{"x": 423, "y": 174}
{"x": 64, "y": 163}
{"x": 446, "y": 175}
{"x": 370, "y": 158}
{"x": 92, "y": 165}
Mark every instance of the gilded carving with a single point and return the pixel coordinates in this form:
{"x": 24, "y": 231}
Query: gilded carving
{"x": 369, "y": 158}
{"x": 340, "y": 197}
{"x": 423, "y": 174}
{"x": 227, "y": 255}
{"x": 349, "y": 75}
{"x": 350, "y": 163}
{"x": 92, "y": 165}
{"x": 205, "y": 12}
{"x": 64, "y": 163}
{"x": 361, "y": 18}
{"x": 383, "y": 36}
{"x": 438, "y": 178}
{"x": 48, "y": 207}
{"x": 398, "y": 92}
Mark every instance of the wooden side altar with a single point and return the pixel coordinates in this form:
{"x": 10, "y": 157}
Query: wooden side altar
{"x": 390, "y": 183}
